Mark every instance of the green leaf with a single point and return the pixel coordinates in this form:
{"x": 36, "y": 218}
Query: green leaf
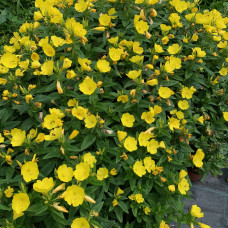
{"x": 98, "y": 207}
{"x": 119, "y": 213}
{"x": 132, "y": 181}
{"x": 123, "y": 206}
{"x": 4, "y": 208}
{"x": 98, "y": 49}
{"x": 88, "y": 141}
{"x": 3, "y": 16}
{"x": 53, "y": 154}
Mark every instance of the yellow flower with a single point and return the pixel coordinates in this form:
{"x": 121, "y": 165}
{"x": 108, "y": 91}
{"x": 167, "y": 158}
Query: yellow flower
{"x": 123, "y": 98}
{"x": 82, "y": 171}
{"x": 102, "y": 173}
{"x": 65, "y": 173}
{"x": 175, "y": 19}
{"x": 198, "y": 158}
{"x": 79, "y": 112}
{"x": 141, "y": 27}
{"x": 225, "y": 116}
{"x": 163, "y": 225}
{"x": 165, "y": 39}
{"x": 127, "y": 120}
{"x": 137, "y": 59}
{"x": 119, "y": 192}
{"x": 48, "y": 50}
{"x": 130, "y": 144}
{"x": 149, "y": 164}
{"x": 54, "y": 134}
{"x": 9, "y": 60}
{"x": 139, "y": 169}
{"x": 179, "y": 5}
{"x": 187, "y": 92}
{"x": 88, "y": 86}
{"x": 172, "y": 64}
{"x": 223, "y": 71}
{"x": 144, "y": 138}
{"x": 158, "y": 48}
{"x": 174, "y": 123}
{"x": 57, "y": 112}
{"x": 47, "y": 67}
{"x": 80, "y": 223}
{"x": 113, "y": 40}
{"x": 74, "y": 195}
{"x": 183, "y": 105}
{"x": 9, "y": 192}
{"x": 28, "y": 98}
{"x": 152, "y": 2}
{"x": 201, "y": 119}
{"x": 70, "y": 74}
{"x": 182, "y": 174}
{"x": 20, "y": 202}
{"x": 194, "y": 37}
{"x": 198, "y": 52}
{"x": 72, "y": 102}
{"x": 105, "y": 19}
{"x": 30, "y": 171}
{"x": 90, "y": 121}
{"x": 183, "y": 186}
{"x": 139, "y": 1}
{"x": 3, "y": 81}
{"x": 147, "y": 210}
{"x": 152, "y": 146}
{"x": 171, "y": 188}
{"x": 18, "y": 137}
{"x": 115, "y": 53}
{"x": 103, "y": 66}
{"x": 174, "y": 49}
{"x": 121, "y": 135}
{"x": 81, "y": 6}
{"x": 8, "y": 159}
{"x": 165, "y": 92}
{"x": 180, "y": 115}
{"x": 114, "y": 202}
{"x": 66, "y": 63}
{"x": 89, "y": 159}
{"x": 196, "y": 211}
{"x": 139, "y": 198}
{"x": 111, "y": 12}
{"x": 133, "y": 74}
{"x": 40, "y": 137}
{"x": 52, "y": 121}
{"x": 44, "y": 186}
{"x": 165, "y": 28}
{"x": 57, "y": 42}
{"x": 148, "y": 116}
{"x": 113, "y": 172}
{"x": 136, "y": 48}
{"x": 85, "y": 64}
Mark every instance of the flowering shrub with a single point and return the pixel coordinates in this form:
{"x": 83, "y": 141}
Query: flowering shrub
{"x": 104, "y": 106}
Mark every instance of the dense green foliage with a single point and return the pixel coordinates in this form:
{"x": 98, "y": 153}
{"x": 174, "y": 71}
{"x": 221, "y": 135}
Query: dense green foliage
{"x": 13, "y": 13}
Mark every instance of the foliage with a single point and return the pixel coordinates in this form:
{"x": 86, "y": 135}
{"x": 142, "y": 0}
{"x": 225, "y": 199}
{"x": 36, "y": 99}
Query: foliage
{"x": 215, "y": 4}
{"x": 104, "y": 106}
{"x": 12, "y": 14}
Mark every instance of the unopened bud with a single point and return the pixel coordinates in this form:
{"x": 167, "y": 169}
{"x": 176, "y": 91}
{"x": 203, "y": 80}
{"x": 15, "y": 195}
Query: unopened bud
{"x": 89, "y": 199}
{"x": 59, "y": 188}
